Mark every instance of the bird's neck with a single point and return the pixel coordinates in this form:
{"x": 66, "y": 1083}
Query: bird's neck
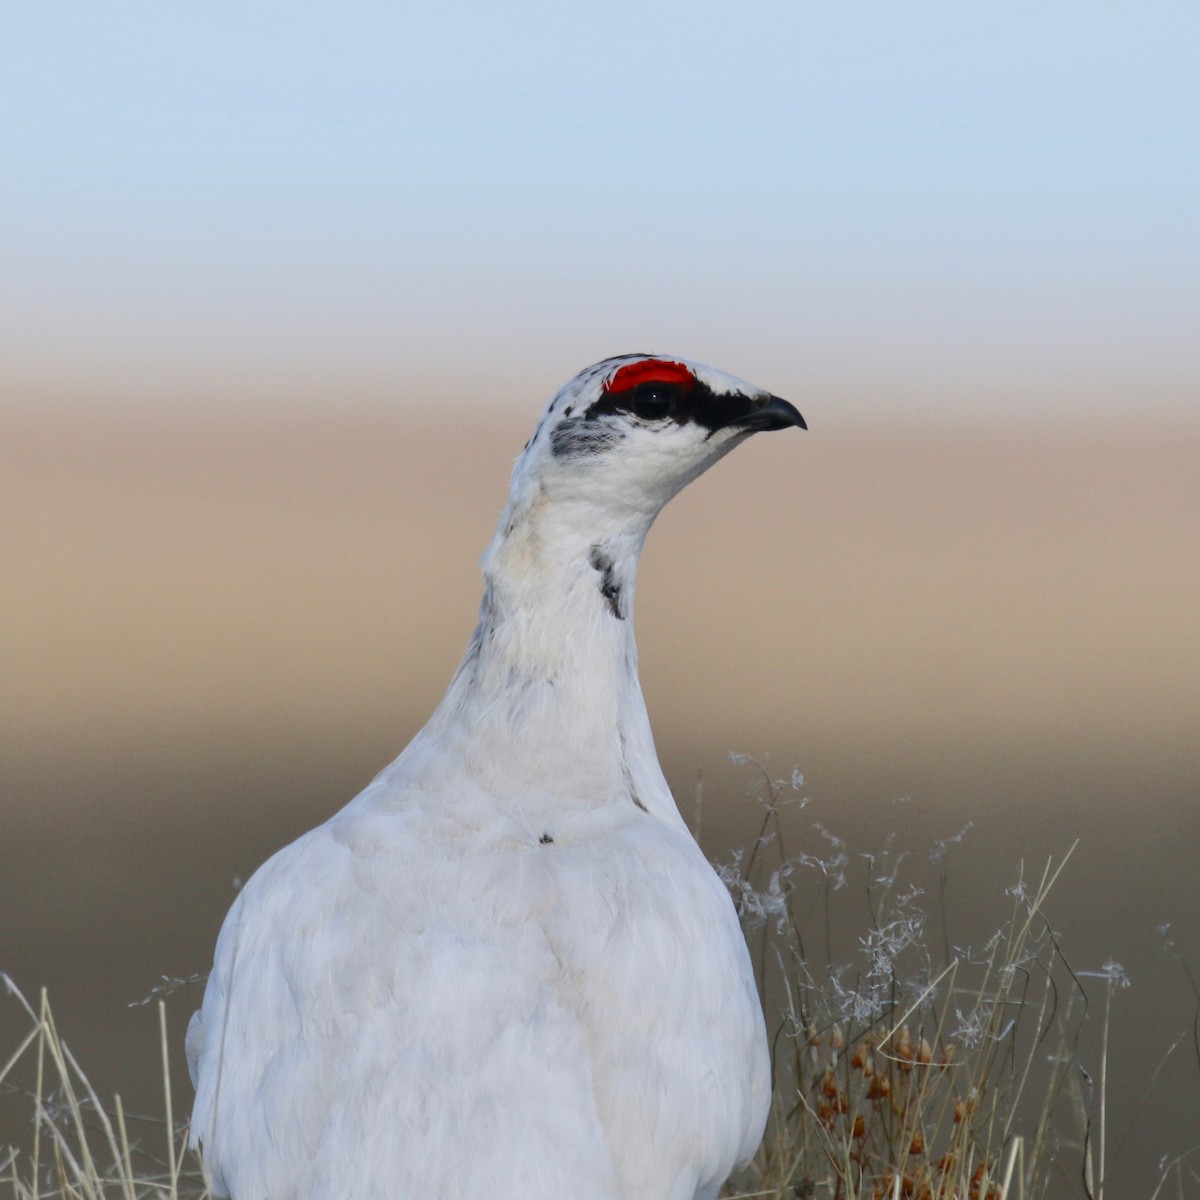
{"x": 547, "y": 699}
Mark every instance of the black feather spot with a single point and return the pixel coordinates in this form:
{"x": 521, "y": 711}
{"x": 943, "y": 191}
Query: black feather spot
{"x": 610, "y": 589}
{"x": 578, "y": 438}
{"x": 546, "y": 840}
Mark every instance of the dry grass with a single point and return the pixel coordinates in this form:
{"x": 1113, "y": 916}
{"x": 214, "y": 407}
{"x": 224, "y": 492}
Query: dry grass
{"x": 910, "y": 1071}
{"x": 918, "y": 1071}
{"x": 81, "y": 1149}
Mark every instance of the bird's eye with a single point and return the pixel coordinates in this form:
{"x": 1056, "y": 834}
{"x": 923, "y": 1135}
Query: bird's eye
{"x": 652, "y": 401}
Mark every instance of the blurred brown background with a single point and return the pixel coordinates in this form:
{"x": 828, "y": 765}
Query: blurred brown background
{"x": 218, "y": 625}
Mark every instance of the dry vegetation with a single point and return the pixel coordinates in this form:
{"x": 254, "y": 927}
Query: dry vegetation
{"x": 80, "y": 1148}
{"x": 919, "y": 1069}
{"x": 914, "y": 1071}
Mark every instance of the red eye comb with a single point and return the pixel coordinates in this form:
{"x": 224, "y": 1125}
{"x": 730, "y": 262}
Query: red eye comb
{"x": 650, "y": 370}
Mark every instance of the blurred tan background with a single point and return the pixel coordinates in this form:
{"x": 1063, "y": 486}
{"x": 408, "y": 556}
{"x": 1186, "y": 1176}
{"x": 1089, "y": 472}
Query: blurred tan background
{"x": 218, "y": 625}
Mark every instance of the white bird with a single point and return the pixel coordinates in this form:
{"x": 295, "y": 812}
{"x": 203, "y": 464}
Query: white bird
{"x": 505, "y": 971}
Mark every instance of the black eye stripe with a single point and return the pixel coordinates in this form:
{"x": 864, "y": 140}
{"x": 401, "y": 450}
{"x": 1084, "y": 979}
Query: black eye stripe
{"x": 656, "y": 400}
{"x": 651, "y": 400}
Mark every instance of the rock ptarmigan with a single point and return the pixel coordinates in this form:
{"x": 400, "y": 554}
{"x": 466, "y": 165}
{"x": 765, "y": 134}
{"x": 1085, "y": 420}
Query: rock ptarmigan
{"x": 505, "y": 971}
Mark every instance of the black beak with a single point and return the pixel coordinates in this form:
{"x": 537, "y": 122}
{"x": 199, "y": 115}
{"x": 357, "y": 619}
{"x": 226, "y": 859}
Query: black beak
{"x": 773, "y": 413}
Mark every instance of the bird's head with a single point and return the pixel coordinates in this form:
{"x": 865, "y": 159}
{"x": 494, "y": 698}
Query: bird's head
{"x": 623, "y": 436}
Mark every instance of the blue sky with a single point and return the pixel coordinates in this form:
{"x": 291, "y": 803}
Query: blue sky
{"x": 952, "y": 206}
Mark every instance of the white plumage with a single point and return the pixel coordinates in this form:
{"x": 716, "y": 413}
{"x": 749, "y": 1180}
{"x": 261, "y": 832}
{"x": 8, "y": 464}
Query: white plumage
{"x": 505, "y": 970}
